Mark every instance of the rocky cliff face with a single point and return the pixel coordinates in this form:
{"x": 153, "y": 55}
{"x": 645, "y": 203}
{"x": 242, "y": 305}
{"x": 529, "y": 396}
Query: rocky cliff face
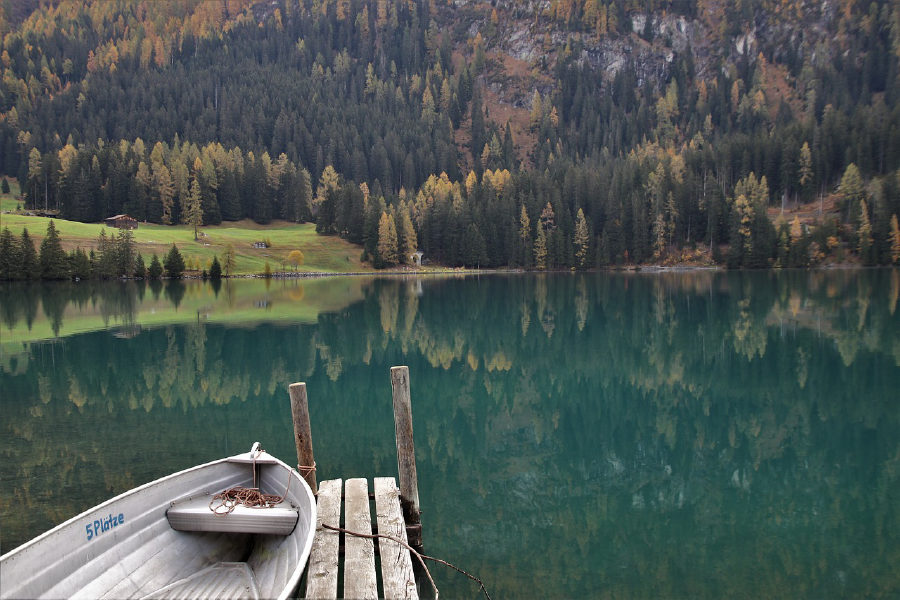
{"x": 525, "y": 34}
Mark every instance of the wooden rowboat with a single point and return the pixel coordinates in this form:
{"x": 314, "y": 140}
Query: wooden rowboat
{"x": 175, "y": 538}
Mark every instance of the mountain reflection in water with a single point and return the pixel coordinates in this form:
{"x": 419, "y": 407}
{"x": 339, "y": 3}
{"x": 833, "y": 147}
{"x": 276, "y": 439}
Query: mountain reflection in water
{"x": 666, "y": 435}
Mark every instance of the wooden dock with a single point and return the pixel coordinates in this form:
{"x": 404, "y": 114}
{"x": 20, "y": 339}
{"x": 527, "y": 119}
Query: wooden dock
{"x": 344, "y": 565}
{"x": 358, "y": 574}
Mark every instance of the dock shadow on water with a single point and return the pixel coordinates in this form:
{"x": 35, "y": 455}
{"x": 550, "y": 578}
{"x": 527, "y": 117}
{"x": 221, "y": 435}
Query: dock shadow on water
{"x": 667, "y": 435}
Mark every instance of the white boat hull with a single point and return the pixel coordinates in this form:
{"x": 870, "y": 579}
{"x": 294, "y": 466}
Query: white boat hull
{"x": 126, "y": 547}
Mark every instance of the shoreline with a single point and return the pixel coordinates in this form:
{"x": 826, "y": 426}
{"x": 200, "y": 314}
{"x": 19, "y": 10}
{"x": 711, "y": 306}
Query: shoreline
{"x": 518, "y": 271}
{"x": 466, "y": 272}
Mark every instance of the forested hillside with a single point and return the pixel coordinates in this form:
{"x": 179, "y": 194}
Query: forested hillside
{"x": 563, "y": 134}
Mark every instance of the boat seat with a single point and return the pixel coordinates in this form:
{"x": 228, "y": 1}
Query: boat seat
{"x": 221, "y": 580}
{"x": 194, "y": 514}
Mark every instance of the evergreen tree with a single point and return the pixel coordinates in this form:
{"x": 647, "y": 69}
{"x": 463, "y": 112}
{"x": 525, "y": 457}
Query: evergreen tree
{"x": 895, "y": 240}
{"x": 784, "y": 248}
{"x": 80, "y": 264}
{"x": 525, "y": 237}
{"x": 215, "y": 269}
{"x": 475, "y": 253}
{"x": 30, "y": 268}
{"x": 408, "y": 241}
{"x": 852, "y": 189}
{"x": 806, "y": 169}
{"x": 540, "y": 249}
{"x": 603, "y": 253}
{"x": 799, "y": 252}
{"x": 373, "y": 210}
{"x": 140, "y": 269}
{"x": 174, "y": 263}
{"x": 865, "y": 235}
{"x": 34, "y": 185}
{"x": 107, "y": 261}
{"x": 387, "y": 240}
{"x": 582, "y": 238}
{"x": 4, "y": 186}
{"x": 10, "y": 256}
{"x": 125, "y": 253}
{"x": 194, "y": 212}
{"x": 155, "y": 270}
{"x": 54, "y": 262}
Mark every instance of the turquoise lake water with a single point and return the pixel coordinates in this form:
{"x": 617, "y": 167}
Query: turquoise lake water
{"x": 677, "y": 435}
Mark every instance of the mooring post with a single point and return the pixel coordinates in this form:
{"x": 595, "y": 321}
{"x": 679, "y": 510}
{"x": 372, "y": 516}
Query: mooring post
{"x": 406, "y": 455}
{"x": 303, "y": 434}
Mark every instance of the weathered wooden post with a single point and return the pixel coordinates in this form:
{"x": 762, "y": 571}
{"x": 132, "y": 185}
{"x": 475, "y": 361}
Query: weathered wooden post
{"x": 303, "y": 434}
{"x": 406, "y": 455}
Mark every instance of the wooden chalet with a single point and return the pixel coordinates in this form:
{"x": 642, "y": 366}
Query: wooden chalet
{"x": 122, "y": 222}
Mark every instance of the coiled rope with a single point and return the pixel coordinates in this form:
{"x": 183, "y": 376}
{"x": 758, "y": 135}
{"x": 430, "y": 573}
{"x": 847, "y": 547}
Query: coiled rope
{"x": 249, "y": 497}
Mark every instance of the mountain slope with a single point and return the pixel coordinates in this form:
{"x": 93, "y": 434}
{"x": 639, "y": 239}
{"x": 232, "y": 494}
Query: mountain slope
{"x": 649, "y": 117}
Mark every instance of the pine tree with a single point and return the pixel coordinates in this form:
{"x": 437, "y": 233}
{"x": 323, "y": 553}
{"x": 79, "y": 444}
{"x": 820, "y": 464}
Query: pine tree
{"x": 387, "y": 240}
{"x": 536, "y": 111}
{"x": 81, "y": 264}
{"x": 659, "y": 235}
{"x": 373, "y": 212}
{"x": 174, "y": 263}
{"x": 229, "y": 262}
{"x": 125, "y": 253}
{"x": 474, "y": 247}
{"x": 29, "y": 268}
{"x": 603, "y": 253}
{"x": 582, "y": 238}
{"x": 107, "y": 261}
{"x": 215, "y": 269}
{"x": 155, "y": 270}
{"x": 53, "y": 260}
{"x": 4, "y": 186}
{"x": 806, "y": 170}
{"x": 525, "y": 237}
{"x": 165, "y": 191}
{"x": 799, "y": 253}
{"x": 784, "y": 249}
{"x": 408, "y": 242}
{"x": 865, "y": 234}
{"x": 140, "y": 269}
{"x": 34, "y": 177}
{"x": 852, "y": 188}
{"x": 540, "y": 249}
{"x": 9, "y": 256}
{"x": 895, "y": 240}
{"x": 194, "y": 213}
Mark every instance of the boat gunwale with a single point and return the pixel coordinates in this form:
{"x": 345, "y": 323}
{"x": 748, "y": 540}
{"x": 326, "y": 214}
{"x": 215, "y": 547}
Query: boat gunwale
{"x": 292, "y": 582}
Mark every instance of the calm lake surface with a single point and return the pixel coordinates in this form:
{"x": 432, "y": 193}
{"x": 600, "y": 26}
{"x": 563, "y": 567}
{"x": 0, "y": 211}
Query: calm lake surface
{"x": 657, "y": 435}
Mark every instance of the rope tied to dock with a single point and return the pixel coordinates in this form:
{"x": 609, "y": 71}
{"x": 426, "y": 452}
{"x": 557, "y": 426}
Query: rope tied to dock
{"x": 421, "y": 557}
{"x": 304, "y": 470}
{"x": 249, "y": 497}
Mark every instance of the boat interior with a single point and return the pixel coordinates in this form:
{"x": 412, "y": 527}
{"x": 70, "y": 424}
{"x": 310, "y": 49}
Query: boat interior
{"x": 171, "y": 544}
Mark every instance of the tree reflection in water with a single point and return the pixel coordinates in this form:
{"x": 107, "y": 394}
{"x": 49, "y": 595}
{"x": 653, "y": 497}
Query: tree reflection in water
{"x": 675, "y": 435}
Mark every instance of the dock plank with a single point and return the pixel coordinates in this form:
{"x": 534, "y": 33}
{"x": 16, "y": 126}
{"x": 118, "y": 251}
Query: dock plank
{"x": 322, "y": 570}
{"x": 396, "y": 564}
{"x": 359, "y": 553}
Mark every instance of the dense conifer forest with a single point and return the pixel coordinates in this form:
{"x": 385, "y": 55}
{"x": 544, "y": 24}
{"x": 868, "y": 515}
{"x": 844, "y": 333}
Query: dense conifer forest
{"x": 378, "y": 121}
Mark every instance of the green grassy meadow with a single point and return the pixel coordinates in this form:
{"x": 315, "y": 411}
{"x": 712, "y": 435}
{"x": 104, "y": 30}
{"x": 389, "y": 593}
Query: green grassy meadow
{"x": 8, "y": 201}
{"x": 322, "y": 254}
